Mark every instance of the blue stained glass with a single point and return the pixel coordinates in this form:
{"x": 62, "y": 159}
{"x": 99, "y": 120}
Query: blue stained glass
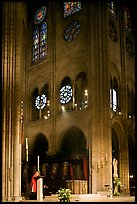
{"x": 35, "y": 36}
{"x": 43, "y": 38}
{"x": 40, "y": 35}
{"x": 44, "y": 25}
{"x": 71, "y": 7}
{"x": 36, "y": 33}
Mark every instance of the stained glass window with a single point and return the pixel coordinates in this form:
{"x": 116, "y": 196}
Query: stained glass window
{"x": 113, "y": 99}
{"x": 40, "y": 15}
{"x": 40, "y": 101}
{"x": 65, "y": 94}
{"x": 43, "y": 40}
{"x": 36, "y": 44}
{"x": 71, "y": 31}
{"x": 112, "y": 8}
{"x": 129, "y": 46}
{"x": 71, "y": 7}
{"x": 40, "y": 35}
{"x": 127, "y": 18}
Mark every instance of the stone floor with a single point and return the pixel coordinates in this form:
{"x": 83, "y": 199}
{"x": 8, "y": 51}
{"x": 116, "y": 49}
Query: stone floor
{"x": 87, "y": 198}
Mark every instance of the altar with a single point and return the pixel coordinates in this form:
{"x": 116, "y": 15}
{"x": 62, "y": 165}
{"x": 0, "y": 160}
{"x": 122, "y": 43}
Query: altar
{"x": 77, "y": 186}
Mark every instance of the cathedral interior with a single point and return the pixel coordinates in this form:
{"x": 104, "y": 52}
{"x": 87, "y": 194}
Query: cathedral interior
{"x": 68, "y": 96}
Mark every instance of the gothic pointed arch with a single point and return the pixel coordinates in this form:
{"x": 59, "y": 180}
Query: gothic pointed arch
{"x": 131, "y": 149}
{"x": 81, "y": 91}
{"x": 39, "y": 148}
{"x": 115, "y": 145}
{"x": 74, "y": 143}
{"x": 73, "y": 146}
{"x": 120, "y": 145}
{"x": 66, "y": 94}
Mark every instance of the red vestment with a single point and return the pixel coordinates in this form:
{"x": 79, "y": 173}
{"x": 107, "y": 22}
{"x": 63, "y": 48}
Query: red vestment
{"x": 34, "y": 182}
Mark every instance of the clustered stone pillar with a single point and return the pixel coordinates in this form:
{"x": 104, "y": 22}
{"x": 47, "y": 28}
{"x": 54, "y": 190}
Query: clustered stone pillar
{"x": 12, "y": 79}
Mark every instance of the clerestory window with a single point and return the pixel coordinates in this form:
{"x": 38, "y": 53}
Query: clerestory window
{"x": 40, "y": 34}
{"x": 71, "y": 7}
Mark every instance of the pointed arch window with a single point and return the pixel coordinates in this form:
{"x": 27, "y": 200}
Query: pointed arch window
{"x": 40, "y": 35}
{"x": 71, "y": 7}
{"x": 112, "y": 8}
{"x": 40, "y": 103}
{"x": 127, "y": 18}
{"x": 81, "y": 91}
{"x": 113, "y": 94}
{"x": 130, "y": 102}
{"x": 65, "y": 91}
{"x": 113, "y": 99}
{"x": 66, "y": 95}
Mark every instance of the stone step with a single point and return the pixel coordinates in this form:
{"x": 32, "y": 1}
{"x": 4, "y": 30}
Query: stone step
{"x": 75, "y": 197}
{"x": 104, "y": 193}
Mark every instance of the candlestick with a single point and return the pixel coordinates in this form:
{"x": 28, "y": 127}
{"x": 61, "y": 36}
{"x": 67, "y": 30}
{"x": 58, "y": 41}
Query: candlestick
{"x": 27, "y": 155}
{"x": 38, "y": 163}
{"x": 26, "y": 143}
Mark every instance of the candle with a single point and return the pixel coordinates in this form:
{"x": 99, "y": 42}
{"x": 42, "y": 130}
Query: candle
{"x": 27, "y": 155}
{"x": 38, "y": 163}
{"x": 26, "y": 143}
{"x": 26, "y": 149}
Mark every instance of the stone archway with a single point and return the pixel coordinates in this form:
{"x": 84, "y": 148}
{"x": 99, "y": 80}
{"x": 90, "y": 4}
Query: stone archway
{"x": 131, "y": 149}
{"x": 115, "y": 145}
{"x": 40, "y": 148}
{"x": 74, "y": 143}
{"x": 115, "y": 157}
{"x": 73, "y": 146}
{"x": 120, "y": 145}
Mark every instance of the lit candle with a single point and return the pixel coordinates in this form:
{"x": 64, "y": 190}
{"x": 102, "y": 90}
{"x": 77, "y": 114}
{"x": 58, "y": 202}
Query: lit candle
{"x": 38, "y": 163}
{"x": 26, "y": 143}
{"x": 26, "y": 149}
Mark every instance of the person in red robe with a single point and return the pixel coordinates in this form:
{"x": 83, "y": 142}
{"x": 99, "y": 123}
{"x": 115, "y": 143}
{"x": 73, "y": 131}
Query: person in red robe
{"x": 35, "y": 176}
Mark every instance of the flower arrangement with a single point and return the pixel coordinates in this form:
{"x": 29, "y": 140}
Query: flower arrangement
{"x": 64, "y": 194}
{"x": 117, "y": 183}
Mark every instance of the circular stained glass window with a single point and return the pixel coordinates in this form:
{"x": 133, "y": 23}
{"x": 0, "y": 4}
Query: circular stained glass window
{"x": 40, "y": 101}
{"x": 72, "y": 31}
{"x": 65, "y": 94}
{"x": 40, "y": 15}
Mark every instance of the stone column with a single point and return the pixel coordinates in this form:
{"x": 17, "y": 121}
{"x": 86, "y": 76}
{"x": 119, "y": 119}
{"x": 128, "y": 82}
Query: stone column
{"x": 99, "y": 132}
{"x": 12, "y": 80}
{"x": 52, "y": 51}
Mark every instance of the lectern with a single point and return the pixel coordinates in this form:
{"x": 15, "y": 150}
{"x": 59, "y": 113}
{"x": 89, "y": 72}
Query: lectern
{"x": 40, "y": 189}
